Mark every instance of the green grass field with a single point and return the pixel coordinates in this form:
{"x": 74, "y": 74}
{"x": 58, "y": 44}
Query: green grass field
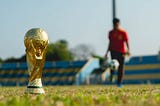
{"x": 129, "y": 95}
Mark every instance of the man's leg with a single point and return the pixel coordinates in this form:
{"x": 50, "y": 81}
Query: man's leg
{"x": 120, "y": 70}
{"x": 113, "y": 56}
{"x": 111, "y": 76}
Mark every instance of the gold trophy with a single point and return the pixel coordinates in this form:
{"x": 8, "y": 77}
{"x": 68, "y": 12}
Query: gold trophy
{"x": 36, "y": 41}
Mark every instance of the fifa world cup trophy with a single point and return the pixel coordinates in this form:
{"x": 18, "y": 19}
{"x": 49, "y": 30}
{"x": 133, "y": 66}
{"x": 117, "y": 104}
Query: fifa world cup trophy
{"x": 36, "y": 41}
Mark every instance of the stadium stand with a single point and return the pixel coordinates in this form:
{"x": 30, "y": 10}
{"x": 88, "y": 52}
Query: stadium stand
{"x": 142, "y": 70}
{"x": 54, "y": 73}
{"x": 138, "y": 70}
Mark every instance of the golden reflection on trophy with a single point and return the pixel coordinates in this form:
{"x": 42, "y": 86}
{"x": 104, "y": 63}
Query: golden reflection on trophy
{"x": 36, "y": 42}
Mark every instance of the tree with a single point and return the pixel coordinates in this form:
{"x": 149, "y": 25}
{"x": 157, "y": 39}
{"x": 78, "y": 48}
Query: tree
{"x": 58, "y": 51}
{"x": 13, "y": 59}
{"x": 82, "y": 52}
{"x": 1, "y": 60}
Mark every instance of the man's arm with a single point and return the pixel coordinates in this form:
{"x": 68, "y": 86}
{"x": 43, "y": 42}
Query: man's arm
{"x": 108, "y": 49}
{"x": 128, "y": 48}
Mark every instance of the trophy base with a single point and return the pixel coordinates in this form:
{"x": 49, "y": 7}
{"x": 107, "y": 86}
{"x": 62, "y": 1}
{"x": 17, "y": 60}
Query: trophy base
{"x": 34, "y": 90}
{"x": 35, "y": 87}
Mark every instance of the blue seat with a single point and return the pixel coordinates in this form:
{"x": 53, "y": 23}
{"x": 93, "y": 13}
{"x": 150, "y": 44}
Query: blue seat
{"x": 48, "y": 65}
{"x": 9, "y": 66}
{"x": 23, "y": 66}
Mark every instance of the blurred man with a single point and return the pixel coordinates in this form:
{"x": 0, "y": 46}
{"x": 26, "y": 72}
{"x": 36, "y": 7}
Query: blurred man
{"x": 118, "y": 47}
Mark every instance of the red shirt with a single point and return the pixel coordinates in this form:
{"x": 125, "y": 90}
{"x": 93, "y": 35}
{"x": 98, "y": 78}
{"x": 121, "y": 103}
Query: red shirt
{"x": 117, "y": 39}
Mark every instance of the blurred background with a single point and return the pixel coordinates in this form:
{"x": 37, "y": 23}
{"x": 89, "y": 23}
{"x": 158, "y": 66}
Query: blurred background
{"x": 78, "y": 30}
{"x": 79, "y": 23}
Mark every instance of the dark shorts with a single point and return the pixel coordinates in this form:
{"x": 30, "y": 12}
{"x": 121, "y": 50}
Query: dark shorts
{"x": 119, "y": 56}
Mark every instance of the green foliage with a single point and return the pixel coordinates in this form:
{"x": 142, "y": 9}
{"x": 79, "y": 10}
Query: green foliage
{"x": 1, "y": 60}
{"x": 13, "y": 59}
{"x": 58, "y": 51}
